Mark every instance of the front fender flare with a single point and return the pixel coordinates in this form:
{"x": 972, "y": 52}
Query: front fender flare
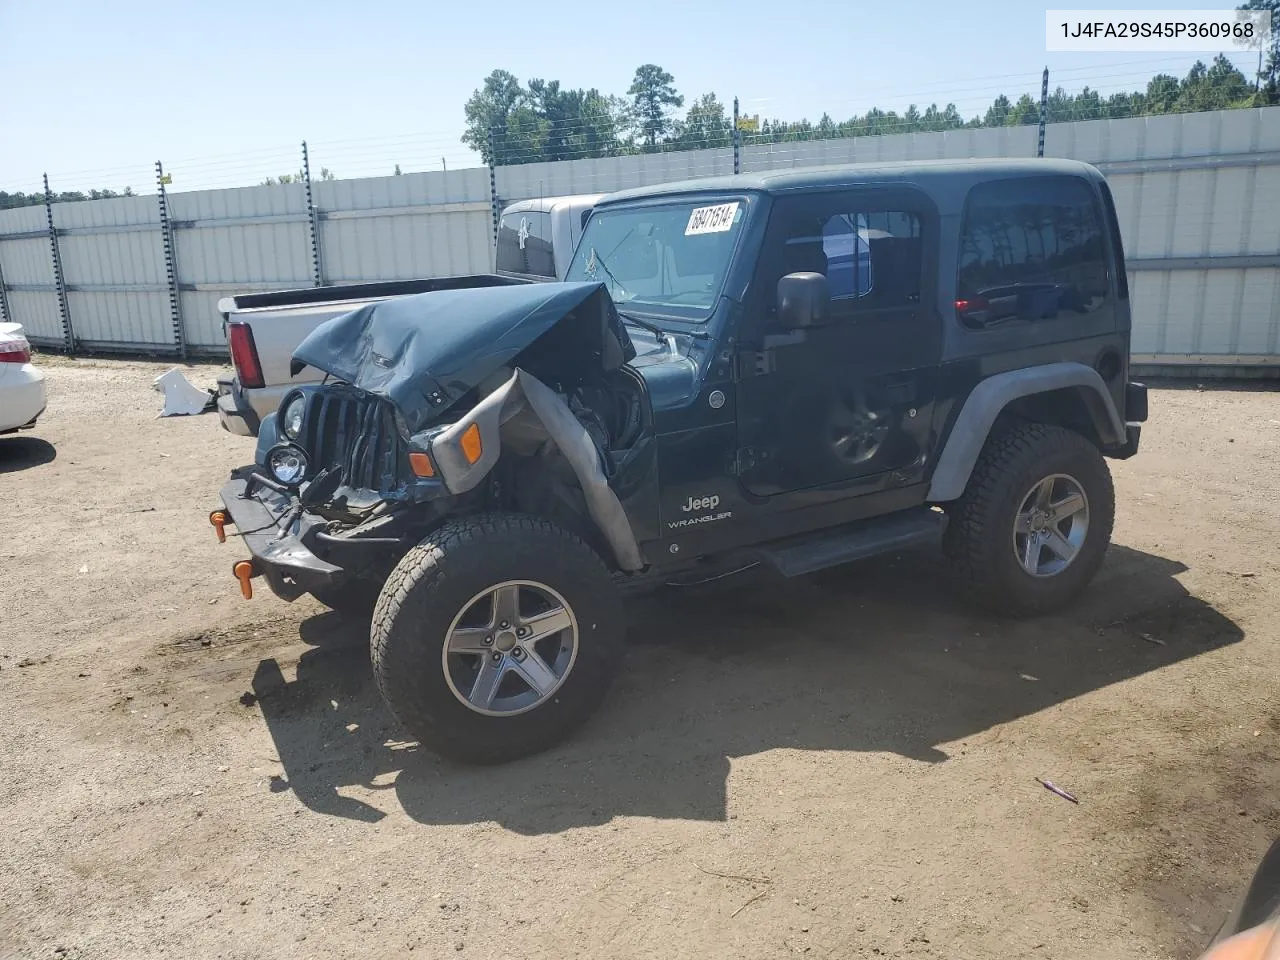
{"x": 525, "y": 413}
{"x": 993, "y": 394}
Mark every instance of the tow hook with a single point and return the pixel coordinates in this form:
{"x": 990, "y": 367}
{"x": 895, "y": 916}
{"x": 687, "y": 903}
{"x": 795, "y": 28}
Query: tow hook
{"x": 244, "y": 571}
{"x": 219, "y": 519}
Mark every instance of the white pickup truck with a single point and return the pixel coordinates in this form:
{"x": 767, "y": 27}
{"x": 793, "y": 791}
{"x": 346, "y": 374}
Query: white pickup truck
{"x": 536, "y": 239}
{"x": 263, "y": 330}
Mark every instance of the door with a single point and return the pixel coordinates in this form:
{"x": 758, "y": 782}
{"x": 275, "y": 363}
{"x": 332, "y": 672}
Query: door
{"x": 846, "y": 403}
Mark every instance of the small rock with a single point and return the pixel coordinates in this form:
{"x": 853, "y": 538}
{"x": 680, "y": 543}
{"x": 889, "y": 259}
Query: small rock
{"x": 85, "y": 568}
{"x": 247, "y": 699}
{"x": 804, "y": 929}
{"x": 897, "y": 898}
{"x": 214, "y": 600}
{"x": 459, "y": 946}
{"x": 223, "y": 769}
{"x": 206, "y": 641}
{"x": 1242, "y": 813}
{"x": 196, "y": 793}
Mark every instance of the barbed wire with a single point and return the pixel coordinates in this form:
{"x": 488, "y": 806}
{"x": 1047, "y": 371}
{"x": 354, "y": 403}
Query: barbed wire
{"x": 348, "y": 158}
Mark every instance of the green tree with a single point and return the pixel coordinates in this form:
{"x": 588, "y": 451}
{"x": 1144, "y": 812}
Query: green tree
{"x": 706, "y": 125}
{"x": 653, "y": 97}
{"x": 1213, "y": 88}
{"x": 998, "y": 113}
{"x": 1268, "y": 79}
{"x": 1024, "y": 111}
{"x": 1162, "y": 93}
{"x": 489, "y": 112}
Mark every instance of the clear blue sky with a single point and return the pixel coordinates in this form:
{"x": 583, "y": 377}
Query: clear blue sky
{"x": 223, "y": 90}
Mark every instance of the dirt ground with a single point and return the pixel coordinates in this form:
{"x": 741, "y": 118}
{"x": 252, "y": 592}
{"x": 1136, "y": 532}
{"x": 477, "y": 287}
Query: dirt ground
{"x": 837, "y": 767}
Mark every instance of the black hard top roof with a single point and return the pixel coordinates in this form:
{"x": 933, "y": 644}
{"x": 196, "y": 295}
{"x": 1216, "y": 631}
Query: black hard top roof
{"x": 941, "y": 179}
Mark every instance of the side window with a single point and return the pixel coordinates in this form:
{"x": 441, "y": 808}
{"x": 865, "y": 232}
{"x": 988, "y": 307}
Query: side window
{"x": 1030, "y": 250}
{"x": 872, "y": 259}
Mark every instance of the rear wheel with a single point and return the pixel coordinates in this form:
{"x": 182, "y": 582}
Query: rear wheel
{"x": 1035, "y": 520}
{"x": 495, "y": 637}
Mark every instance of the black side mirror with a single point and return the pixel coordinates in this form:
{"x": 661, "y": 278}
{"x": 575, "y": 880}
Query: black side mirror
{"x": 804, "y": 300}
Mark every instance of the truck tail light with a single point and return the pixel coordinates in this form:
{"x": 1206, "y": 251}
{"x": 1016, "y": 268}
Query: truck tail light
{"x": 15, "y": 351}
{"x": 244, "y": 355}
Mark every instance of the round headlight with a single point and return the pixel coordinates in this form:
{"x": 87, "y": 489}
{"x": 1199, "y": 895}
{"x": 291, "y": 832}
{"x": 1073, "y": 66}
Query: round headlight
{"x": 287, "y": 463}
{"x": 291, "y": 415}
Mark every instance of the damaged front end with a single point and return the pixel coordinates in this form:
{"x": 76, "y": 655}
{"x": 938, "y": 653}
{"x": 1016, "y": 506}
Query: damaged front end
{"x": 443, "y": 404}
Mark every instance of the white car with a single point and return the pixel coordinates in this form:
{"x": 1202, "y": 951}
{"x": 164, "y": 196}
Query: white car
{"x": 22, "y": 393}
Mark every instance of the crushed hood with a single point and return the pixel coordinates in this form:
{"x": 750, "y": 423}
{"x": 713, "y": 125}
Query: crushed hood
{"x": 424, "y": 352}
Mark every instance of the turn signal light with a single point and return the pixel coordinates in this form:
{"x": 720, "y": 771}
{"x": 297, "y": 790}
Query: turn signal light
{"x": 219, "y": 520}
{"x": 421, "y": 465}
{"x": 472, "y": 448}
{"x": 244, "y": 573}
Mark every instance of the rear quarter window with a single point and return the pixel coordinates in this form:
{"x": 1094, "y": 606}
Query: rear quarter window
{"x": 1031, "y": 249}
{"x": 524, "y": 244}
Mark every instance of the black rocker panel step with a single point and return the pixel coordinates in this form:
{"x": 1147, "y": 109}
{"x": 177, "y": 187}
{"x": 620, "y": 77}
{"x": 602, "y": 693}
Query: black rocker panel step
{"x": 810, "y": 552}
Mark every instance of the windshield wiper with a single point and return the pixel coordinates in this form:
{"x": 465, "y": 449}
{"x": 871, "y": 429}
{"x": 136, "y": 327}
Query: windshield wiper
{"x": 658, "y": 331}
{"x": 645, "y": 324}
{"x": 604, "y": 266}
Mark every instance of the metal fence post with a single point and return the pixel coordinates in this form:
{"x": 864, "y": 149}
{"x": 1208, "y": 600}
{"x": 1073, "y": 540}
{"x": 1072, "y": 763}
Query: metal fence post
{"x": 737, "y": 140}
{"x": 6, "y": 316}
{"x": 171, "y": 265}
{"x": 313, "y": 220}
{"x": 1044, "y": 110}
{"x": 64, "y": 310}
{"x": 493, "y": 190}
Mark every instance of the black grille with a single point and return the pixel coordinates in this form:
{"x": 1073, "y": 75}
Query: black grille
{"x": 356, "y": 432}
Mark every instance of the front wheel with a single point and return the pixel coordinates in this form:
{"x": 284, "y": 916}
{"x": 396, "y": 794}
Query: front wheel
{"x": 1035, "y": 520}
{"x": 495, "y": 637}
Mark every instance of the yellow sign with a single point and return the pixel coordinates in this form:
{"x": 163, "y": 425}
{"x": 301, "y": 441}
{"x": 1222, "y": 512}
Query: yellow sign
{"x": 749, "y": 124}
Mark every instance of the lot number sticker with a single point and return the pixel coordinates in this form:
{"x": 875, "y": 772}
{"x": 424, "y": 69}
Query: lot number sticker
{"x": 717, "y": 219}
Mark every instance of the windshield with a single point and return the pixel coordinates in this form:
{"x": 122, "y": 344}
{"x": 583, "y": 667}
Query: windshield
{"x": 669, "y": 259}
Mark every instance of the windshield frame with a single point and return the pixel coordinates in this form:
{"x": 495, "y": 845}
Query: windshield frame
{"x": 697, "y": 316}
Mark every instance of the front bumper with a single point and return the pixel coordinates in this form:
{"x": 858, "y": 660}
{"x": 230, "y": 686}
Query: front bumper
{"x": 276, "y": 531}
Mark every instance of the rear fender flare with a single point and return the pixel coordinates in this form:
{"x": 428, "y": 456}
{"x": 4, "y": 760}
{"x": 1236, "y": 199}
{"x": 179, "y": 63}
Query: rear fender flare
{"x": 990, "y": 397}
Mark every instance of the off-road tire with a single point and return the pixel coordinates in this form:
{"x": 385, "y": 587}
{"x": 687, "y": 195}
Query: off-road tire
{"x": 354, "y": 599}
{"x": 978, "y": 539}
{"x": 434, "y": 582}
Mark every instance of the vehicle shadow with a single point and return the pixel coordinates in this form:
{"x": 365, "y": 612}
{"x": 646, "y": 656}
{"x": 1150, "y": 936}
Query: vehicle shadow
{"x": 21, "y": 453}
{"x": 878, "y": 656}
